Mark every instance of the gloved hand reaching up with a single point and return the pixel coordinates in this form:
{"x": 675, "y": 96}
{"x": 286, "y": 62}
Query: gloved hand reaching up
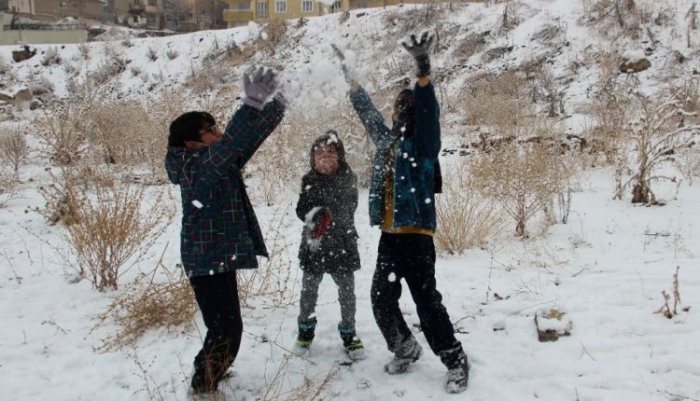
{"x": 348, "y": 72}
{"x": 420, "y": 51}
{"x": 260, "y": 88}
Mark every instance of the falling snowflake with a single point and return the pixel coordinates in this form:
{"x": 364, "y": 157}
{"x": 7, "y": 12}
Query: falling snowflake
{"x": 197, "y": 204}
{"x": 392, "y": 277}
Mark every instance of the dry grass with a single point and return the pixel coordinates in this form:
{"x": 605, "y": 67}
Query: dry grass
{"x": 56, "y": 130}
{"x": 111, "y": 228}
{"x": 524, "y": 178}
{"x": 9, "y": 185}
{"x": 465, "y": 219}
{"x": 146, "y": 304}
{"x": 496, "y": 100}
{"x": 273, "y": 282}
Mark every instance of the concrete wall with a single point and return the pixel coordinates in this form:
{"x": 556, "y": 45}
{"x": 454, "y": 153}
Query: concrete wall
{"x": 12, "y": 37}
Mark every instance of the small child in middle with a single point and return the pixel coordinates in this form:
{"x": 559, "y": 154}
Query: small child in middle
{"x": 327, "y": 205}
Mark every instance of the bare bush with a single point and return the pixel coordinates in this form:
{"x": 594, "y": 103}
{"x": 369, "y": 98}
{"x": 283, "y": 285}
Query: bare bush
{"x": 84, "y": 51}
{"x": 56, "y": 130}
{"x": 172, "y": 54}
{"x": 13, "y": 148}
{"x": 151, "y": 54}
{"x": 465, "y": 219}
{"x": 496, "y": 100}
{"x": 415, "y": 19}
{"x": 9, "y": 185}
{"x": 273, "y": 35}
{"x": 51, "y": 57}
{"x": 523, "y": 177}
{"x": 112, "y": 229}
{"x": 656, "y": 136}
{"x": 273, "y": 281}
{"x": 147, "y": 304}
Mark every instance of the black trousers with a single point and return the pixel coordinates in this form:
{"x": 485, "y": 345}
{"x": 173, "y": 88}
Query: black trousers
{"x": 410, "y": 257}
{"x": 217, "y": 297}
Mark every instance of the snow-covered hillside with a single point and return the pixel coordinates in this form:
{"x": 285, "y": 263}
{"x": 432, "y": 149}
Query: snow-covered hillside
{"x": 606, "y": 269}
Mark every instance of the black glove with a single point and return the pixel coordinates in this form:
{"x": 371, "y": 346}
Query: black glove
{"x": 348, "y": 73}
{"x": 419, "y": 51}
{"x": 320, "y": 222}
{"x": 260, "y": 88}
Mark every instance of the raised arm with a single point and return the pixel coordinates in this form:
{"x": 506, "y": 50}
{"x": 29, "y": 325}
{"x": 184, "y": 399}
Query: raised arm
{"x": 371, "y": 118}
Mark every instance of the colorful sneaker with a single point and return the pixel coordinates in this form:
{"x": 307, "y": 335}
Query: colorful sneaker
{"x": 352, "y": 343}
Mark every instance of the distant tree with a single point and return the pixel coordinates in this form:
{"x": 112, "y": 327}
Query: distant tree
{"x": 176, "y": 11}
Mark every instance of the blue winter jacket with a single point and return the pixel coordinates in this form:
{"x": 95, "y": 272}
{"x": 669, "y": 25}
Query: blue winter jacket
{"x": 220, "y": 232}
{"x": 414, "y": 160}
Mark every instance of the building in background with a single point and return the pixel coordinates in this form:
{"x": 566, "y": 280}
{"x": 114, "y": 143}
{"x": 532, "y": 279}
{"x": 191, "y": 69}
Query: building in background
{"x": 239, "y": 12}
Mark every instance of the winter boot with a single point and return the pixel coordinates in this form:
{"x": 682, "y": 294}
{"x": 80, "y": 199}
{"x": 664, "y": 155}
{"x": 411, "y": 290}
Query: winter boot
{"x": 352, "y": 343}
{"x": 458, "y": 369}
{"x": 408, "y": 352}
{"x": 307, "y": 331}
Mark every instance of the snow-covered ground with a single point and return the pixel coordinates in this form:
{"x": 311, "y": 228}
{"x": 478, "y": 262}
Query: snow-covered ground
{"x": 605, "y": 269}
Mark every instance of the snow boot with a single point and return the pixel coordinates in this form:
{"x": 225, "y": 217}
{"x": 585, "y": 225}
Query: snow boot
{"x": 408, "y": 352}
{"x": 352, "y": 343}
{"x": 457, "y": 369}
{"x": 307, "y": 332}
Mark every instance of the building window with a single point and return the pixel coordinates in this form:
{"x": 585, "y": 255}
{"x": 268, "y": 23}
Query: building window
{"x": 362, "y": 4}
{"x": 336, "y": 6}
{"x": 281, "y": 6}
{"x": 63, "y": 5}
{"x": 262, "y": 9}
{"x": 152, "y": 3}
{"x": 243, "y": 7}
{"x": 307, "y": 6}
{"x": 136, "y": 19}
{"x": 150, "y": 18}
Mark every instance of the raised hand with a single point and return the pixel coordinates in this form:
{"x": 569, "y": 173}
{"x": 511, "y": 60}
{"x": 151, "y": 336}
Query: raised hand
{"x": 259, "y": 88}
{"x": 420, "y": 51}
{"x": 347, "y": 73}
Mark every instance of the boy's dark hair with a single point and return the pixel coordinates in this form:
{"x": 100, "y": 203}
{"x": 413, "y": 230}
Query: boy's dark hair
{"x": 330, "y": 138}
{"x": 187, "y": 126}
{"x": 404, "y": 100}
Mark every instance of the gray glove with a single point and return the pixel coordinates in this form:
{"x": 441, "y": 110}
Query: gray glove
{"x": 419, "y": 51}
{"x": 260, "y": 88}
{"x": 349, "y": 74}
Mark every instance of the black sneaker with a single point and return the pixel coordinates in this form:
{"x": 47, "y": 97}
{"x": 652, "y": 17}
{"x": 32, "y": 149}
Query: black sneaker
{"x": 307, "y": 332}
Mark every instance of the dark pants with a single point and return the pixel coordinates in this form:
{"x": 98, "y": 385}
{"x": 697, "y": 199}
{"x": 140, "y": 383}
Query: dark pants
{"x": 217, "y": 297}
{"x": 410, "y": 257}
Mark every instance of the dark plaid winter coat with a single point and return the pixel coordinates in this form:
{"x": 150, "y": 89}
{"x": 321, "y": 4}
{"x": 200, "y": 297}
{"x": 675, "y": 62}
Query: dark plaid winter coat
{"x": 338, "y": 248}
{"x": 414, "y": 160}
{"x": 220, "y": 232}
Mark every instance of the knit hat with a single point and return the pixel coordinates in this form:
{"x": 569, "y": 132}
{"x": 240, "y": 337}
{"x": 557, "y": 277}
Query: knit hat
{"x": 187, "y": 127}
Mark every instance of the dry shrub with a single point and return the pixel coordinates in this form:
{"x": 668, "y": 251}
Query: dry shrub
{"x": 9, "y": 184}
{"x": 465, "y": 219}
{"x": 617, "y": 17}
{"x": 273, "y": 35}
{"x": 610, "y": 111}
{"x": 13, "y": 148}
{"x": 656, "y": 136}
{"x": 114, "y": 226}
{"x": 415, "y": 19}
{"x": 56, "y": 130}
{"x": 310, "y": 389}
{"x": 208, "y": 76}
{"x": 523, "y": 177}
{"x": 687, "y": 94}
{"x": 273, "y": 281}
{"x": 496, "y": 100}
{"x": 146, "y": 304}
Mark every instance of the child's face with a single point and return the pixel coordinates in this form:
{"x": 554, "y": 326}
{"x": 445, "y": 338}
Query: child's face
{"x": 326, "y": 160}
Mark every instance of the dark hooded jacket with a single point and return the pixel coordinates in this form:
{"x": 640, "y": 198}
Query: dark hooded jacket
{"x": 220, "y": 232}
{"x": 411, "y": 159}
{"x": 338, "y": 246}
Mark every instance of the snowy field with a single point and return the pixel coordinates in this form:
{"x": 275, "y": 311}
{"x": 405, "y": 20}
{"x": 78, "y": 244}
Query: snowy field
{"x": 605, "y": 269}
